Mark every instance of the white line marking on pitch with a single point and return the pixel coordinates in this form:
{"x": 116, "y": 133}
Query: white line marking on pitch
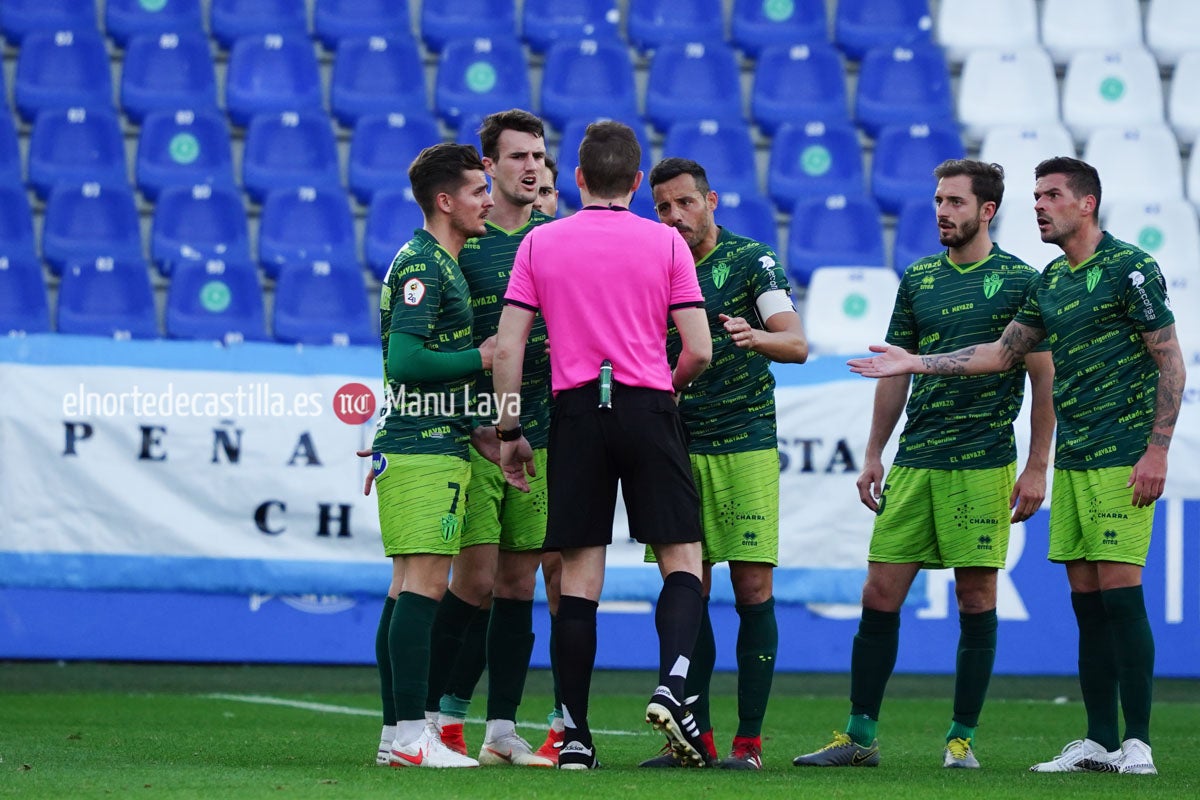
{"x": 325, "y": 708}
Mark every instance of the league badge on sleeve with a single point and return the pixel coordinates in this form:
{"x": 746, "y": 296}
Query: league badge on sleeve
{"x": 414, "y": 292}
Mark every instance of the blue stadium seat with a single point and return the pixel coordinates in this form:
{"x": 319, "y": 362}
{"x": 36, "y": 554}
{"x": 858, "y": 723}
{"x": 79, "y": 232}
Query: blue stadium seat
{"x": 724, "y": 149}
{"x": 383, "y": 147}
{"x": 377, "y": 76}
{"x": 24, "y": 307}
{"x": 546, "y": 22}
{"x": 167, "y": 71}
{"x": 442, "y": 23}
{"x": 16, "y": 223}
{"x": 194, "y": 223}
{"x": 480, "y": 76}
{"x": 590, "y": 78}
{"x": 216, "y": 299}
{"x": 322, "y": 303}
{"x": 568, "y": 155}
{"x": 124, "y": 19}
{"x": 74, "y": 146}
{"x": 693, "y": 81}
{"x": 904, "y": 159}
{"x": 653, "y": 23}
{"x": 643, "y": 203}
{"x": 232, "y": 19}
{"x": 814, "y": 159}
{"x": 916, "y": 233}
{"x": 834, "y": 231}
{"x": 12, "y": 171}
{"x": 21, "y": 17}
{"x": 860, "y": 25}
{"x": 800, "y": 82}
{"x": 183, "y": 148}
{"x": 468, "y": 131}
{"x": 902, "y": 85}
{"x": 289, "y": 150}
{"x": 750, "y": 215}
{"x": 62, "y": 69}
{"x": 107, "y": 296}
{"x": 391, "y": 220}
{"x": 299, "y": 226}
{"x": 85, "y": 222}
{"x": 337, "y": 20}
{"x": 758, "y": 24}
{"x": 271, "y": 73}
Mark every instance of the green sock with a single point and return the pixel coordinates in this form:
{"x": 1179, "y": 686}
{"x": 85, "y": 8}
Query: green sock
{"x": 872, "y": 659}
{"x": 757, "y": 646}
{"x": 408, "y": 645}
{"x": 509, "y": 645}
{"x": 451, "y": 705}
{"x": 450, "y": 625}
{"x": 976, "y": 656}
{"x": 554, "y": 671}
{"x": 1134, "y": 643}
{"x": 1097, "y": 668}
{"x": 700, "y": 670}
{"x": 472, "y": 659}
{"x": 383, "y": 662}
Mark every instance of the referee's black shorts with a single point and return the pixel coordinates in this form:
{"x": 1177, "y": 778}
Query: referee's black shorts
{"x": 641, "y": 443}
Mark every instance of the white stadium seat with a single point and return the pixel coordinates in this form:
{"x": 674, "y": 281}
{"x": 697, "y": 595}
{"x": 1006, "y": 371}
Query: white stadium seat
{"x": 964, "y": 26}
{"x": 1017, "y": 233}
{"x": 1070, "y": 26}
{"x": 1172, "y": 29}
{"x": 1140, "y": 163}
{"x": 1006, "y": 87}
{"x": 1167, "y": 230}
{"x": 1019, "y": 150}
{"x": 1111, "y": 87}
{"x": 1183, "y": 100}
{"x": 847, "y": 309}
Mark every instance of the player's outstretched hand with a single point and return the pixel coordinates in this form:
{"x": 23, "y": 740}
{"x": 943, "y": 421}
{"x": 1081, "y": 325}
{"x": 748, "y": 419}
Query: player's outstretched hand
{"x": 891, "y": 360}
{"x": 516, "y": 459}
{"x": 370, "y": 481}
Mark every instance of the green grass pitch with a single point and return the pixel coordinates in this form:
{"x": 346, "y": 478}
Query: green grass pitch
{"x": 153, "y": 731}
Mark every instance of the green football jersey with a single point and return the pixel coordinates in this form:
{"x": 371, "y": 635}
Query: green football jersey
{"x": 954, "y": 421}
{"x": 425, "y": 294}
{"x": 486, "y": 263}
{"x": 730, "y": 408}
{"x": 1105, "y": 380}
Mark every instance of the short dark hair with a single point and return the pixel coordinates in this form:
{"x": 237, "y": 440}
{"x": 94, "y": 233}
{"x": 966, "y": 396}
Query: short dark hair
{"x": 987, "y": 180}
{"x": 515, "y": 119}
{"x": 1082, "y": 177}
{"x": 552, "y": 165}
{"x": 441, "y": 168}
{"x": 671, "y": 168}
{"x": 609, "y": 156}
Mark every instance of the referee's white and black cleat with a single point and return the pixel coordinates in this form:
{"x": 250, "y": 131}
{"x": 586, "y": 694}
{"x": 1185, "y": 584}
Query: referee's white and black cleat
{"x": 675, "y": 721}
{"x": 577, "y": 755}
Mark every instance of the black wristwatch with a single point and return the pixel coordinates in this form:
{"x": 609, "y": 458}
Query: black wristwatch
{"x": 511, "y": 435}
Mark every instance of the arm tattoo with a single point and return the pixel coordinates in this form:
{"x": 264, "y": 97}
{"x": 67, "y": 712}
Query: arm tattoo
{"x": 1164, "y": 348}
{"x": 1016, "y": 342}
{"x": 949, "y": 363}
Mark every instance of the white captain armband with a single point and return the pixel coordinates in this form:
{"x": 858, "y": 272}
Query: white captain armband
{"x": 773, "y": 302}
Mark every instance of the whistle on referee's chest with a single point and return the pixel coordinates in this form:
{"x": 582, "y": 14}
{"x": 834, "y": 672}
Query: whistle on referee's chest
{"x": 606, "y": 382}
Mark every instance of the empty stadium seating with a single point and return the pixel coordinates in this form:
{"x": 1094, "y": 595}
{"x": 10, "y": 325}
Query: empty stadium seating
{"x": 74, "y": 146}
{"x": 1006, "y": 87}
{"x": 183, "y": 148}
{"x": 546, "y": 22}
{"x": 320, "y": 303}
{"x": 653, "y": 23}
{"x": 16, "y": 224}
{"x": 337, "y": 20}
{"x": 289, "y": 150}
{"x": 11, "y": 169}
{"x": 377, "y": 75}
{"x": 300, "y": 226}
{"x": 756, "y": 25}
{"x": 916, "y": 233}
{"x": 382, "y": 149}
{"x": 861, "y": 25}
{"x": 1111, "y": 87}
{"x": 1019, "y": 150}
{"x": 1166, "y": 229}
{"x": 905, "y": 156}
{"x": 848, "y": 309}
{"x": 967, "y": 26}
{"x": 215, "y": 299}
{"x": 1172, "y": 29}
{"x": 393, "y": 217}
{"x": 590, "y": 78}
{"x": 750, "y": 215}
{"x": 479, "y": 76}
{"x": 271, "y": 73}
{"x": 800, "y": 82}
{"x": 442, "y": 23}
{"x": 902, "y": 85}
{"x": 1140, "y": 163}
{"x": 1074, "y": 26}
{"x": 833, "y": 231}
{"x": 167, "y": 71}
{"x": 107, "y": 296}
{"x": 84, "y": 222}
{"x": 724, "y": 149}
{"x": 692, "y": 81}
{"x": 232, "y": 19}
{"x": 193, "y": 223}
{"x": 1183, "y": 100}
{"x": 814, "y": 159}
{"x": 125, "y": 19}
{"x": 62, "y": 69}
{"x": 24, "y": 307}
{"x": 21, "y": 17}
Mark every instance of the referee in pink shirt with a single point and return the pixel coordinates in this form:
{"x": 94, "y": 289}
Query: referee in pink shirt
{"x": 606, "y": 281}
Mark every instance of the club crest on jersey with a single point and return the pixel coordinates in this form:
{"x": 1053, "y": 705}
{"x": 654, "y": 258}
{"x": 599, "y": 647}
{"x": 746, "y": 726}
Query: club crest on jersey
{"x": 379, "y": 464}
{"x": 414, "y": 292}
{"x": 1093, "y": 278}
{"x": 720, "y": 274}
{"x": 991, "y": 285}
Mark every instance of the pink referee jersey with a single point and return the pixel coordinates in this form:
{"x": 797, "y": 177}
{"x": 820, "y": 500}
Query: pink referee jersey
{"x": 605, "y": 281}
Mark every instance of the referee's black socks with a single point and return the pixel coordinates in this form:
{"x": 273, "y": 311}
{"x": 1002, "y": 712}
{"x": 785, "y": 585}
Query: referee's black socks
{"x": 575, "y": 643}
{"x": 677, "y": 619}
